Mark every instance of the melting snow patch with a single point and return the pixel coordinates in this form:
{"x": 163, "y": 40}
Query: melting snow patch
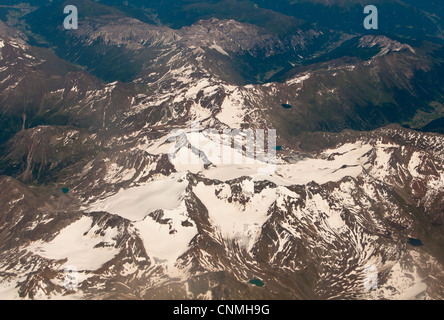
{"x": 414, "y": 164}
{"x": 402, "y": 285}
{"x": 136, "y": 203}
{"x": 72, "y": 243}
{"x": 234, "y": 220}
{"x": 232, "y": 113}
{"x": 299, "y": 79}
{"x": 166, "y": 242}
{"x": 193, "y": 91}
{"x": 219, "y": 49}
{"x": 334, "y": 165}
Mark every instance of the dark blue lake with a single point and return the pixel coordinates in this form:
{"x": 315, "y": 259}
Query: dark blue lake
{"x": 415, "y": 242}
{"x": 257, "y": 282}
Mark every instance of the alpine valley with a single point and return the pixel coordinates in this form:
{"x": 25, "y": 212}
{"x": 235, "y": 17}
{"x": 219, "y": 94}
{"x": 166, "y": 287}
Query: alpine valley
{"x": 90, "y": 176}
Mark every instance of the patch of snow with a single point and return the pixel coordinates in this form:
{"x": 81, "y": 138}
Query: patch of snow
{"x": 165, "y": 243}
{"x": 233, "y": 220}
{"x": 348, "y": 162}
{"x": 299, "y": 79}
{"x": 219, "y": 49}
{"x": 232, "y": 110}
{"x": 137, "y": 202}
{"x": 78, "y": 247}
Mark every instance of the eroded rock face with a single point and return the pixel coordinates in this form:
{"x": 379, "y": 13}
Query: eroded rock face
{"x": 222, "y": 35}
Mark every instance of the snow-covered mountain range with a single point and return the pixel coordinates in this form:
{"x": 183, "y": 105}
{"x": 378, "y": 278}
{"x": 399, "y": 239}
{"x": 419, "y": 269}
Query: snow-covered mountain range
{"x": 147, "y": 188}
